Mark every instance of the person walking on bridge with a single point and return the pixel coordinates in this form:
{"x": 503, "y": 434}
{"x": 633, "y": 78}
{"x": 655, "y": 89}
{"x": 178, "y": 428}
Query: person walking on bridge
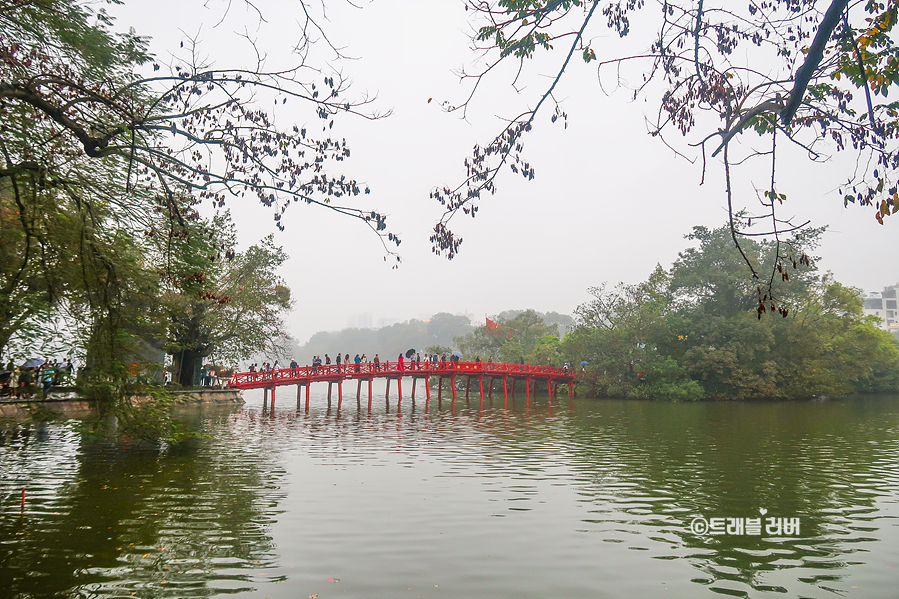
{"x": 377, "y": 362}
{"x": 357, "y": 360}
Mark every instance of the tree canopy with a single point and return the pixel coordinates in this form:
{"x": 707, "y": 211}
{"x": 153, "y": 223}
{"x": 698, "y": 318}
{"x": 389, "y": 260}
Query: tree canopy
{"x": 105, "y": 147}
{"x": 697, "y": 331}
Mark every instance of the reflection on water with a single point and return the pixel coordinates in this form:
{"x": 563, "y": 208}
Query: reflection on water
{"x": 579, "y": 498}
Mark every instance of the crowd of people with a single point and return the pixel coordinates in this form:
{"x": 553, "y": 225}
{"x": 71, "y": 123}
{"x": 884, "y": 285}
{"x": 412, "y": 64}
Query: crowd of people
{"x": 25, "y": 381}
{"x": 355, "y": 364}
{"x": 343, "y": 362}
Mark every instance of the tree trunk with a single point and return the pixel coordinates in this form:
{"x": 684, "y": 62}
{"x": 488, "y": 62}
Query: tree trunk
{"x": 187, "y": 367}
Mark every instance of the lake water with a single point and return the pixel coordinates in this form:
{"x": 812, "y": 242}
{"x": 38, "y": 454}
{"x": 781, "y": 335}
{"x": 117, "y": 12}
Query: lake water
{"x": 573, "y": 498}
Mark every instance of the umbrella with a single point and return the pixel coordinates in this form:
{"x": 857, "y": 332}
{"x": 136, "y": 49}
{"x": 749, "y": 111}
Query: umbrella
{"x": 33, "y": 363}
{"x": 457, "y": 353}
{"x": 584, "y": 363}
{"x": 410, "y": 353}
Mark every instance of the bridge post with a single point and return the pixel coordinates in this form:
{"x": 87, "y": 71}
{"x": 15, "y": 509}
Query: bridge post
{"x": 339, "y": 393}
{"x": 369, "y": 393}
{"x": 453, "y": 382}
{"x": 308, "y": 384}
{"x": 387, "y": 395}
{"x": 549, "y": 388}
{"x": 467, "y": 386}
{"x": 481, "y": 385}
{"x": 428, "y": 388}
{"x": 358, "y": 390}
{"x": 506, "y": 390}
{"x": 329, "y": 393}
{"x": 265, "y": 397}
{"x": 527, "y": 387}
{"x": 399, "y": 387}
{"x": 414, "y": 379}
{"x": 299, "y": 389}
{"x": 570, "y": 389}
{"x": 273, "y": 399}
{"x": 490, "y": 390}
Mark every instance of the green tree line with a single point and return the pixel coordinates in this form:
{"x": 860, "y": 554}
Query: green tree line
{"x": 700, "y": 331}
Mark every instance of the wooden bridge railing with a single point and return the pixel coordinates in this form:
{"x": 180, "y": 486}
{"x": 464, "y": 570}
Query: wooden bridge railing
{"x": 368, "y": 370}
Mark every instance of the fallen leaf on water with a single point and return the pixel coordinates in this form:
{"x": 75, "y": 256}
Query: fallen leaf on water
{"x": 333, "y": 580}
{"x": 315, "y": 596}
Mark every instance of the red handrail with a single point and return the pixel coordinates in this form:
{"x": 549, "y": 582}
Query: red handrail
{"x": 332, "y": 372}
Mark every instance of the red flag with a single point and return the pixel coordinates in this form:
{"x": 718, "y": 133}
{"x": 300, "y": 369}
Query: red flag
{"x": 491, "y": 325}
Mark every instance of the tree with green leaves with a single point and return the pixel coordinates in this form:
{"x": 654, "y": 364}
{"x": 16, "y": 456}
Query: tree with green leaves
{"x": 515, "y": 337}
{"x": 699, "y": 331}
{"x": 219, "y": 302}
{"x": 101, "y": 140}
{"x": 811, "y": 74}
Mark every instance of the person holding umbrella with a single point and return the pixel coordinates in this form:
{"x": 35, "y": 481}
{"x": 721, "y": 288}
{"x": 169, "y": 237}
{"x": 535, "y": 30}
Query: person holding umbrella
{"x": 27, "y": 377}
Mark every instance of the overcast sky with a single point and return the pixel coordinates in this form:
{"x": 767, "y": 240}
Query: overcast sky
{"x": 607, "y": 204}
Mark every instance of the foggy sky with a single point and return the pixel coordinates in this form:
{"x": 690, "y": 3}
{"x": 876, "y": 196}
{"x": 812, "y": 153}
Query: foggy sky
{"x": 607, "y": 204}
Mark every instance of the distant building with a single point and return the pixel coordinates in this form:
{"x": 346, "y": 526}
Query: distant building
{"x": 359, "y": 321}
{"x": 882, "y": 304}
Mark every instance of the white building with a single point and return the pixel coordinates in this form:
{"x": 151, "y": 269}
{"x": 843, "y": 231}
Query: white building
{"x": 882, "y": 304}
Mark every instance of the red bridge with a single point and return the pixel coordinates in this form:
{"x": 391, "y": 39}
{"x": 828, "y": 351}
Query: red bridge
{"x": 337, "y": 374}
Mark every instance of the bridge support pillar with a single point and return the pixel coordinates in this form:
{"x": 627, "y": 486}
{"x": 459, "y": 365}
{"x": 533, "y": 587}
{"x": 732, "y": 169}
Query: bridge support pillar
{"x": 307, "y": 395}
{"x": 339, "y": 393}
{"x": 467, "y": 387}
{"x": 453, "y": 383}
{"x": 506, "y": 390}
{"x": 549, "y": 389}
{"x": 265, "y": 397}
{"x": 273, "y": 399}
{"x": 369, "y": 393}
{"x": 481, "y": 387}
{"x": 399, "y": 388}
{"x": 570, "y": 390}
{"x": 358, "y": 390}
{"x": 299, "y": 393}
{"x": 414, "y": 380}
{"x": 387, "y": 394}
{"x": 527, "y": 388}
{"x": 329, "y": 393}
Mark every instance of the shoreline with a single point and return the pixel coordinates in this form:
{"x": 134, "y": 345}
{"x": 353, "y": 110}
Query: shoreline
{"x": 66, "y": 403}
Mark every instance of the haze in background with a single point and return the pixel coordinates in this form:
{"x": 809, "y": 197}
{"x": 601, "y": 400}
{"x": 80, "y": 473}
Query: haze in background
{"x": 607, "y": 204}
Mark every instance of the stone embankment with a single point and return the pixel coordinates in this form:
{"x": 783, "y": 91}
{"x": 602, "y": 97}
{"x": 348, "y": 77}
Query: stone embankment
{"x": 64, "y": 402}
